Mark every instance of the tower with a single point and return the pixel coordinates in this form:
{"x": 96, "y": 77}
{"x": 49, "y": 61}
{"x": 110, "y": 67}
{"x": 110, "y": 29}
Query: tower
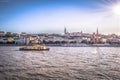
{"x": 97, "y": 36}
{"x": 65, "y": 31}
{"x": 97, "y": 32}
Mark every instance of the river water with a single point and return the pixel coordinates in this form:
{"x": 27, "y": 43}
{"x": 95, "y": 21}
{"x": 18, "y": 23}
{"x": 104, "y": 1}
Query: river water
{"x": 60, "y": 63}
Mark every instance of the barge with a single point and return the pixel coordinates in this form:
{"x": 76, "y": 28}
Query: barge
{"x": 35, "y": 47}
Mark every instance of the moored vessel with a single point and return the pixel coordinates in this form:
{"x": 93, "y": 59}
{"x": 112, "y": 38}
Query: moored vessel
{"x": 35, "y": 47}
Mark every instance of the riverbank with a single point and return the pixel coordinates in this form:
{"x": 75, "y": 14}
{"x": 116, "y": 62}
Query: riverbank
{"x": 13, "y": 45}
{"x": 85, "y": 45}
{"x": 69, "y": 45}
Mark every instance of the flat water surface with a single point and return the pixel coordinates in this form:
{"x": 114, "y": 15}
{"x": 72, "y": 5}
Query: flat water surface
{"x": 60, "y": 63}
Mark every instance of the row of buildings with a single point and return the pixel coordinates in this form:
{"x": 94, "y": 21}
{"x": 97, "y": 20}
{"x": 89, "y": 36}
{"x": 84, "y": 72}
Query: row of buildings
{"x": 95, "y": 38}
{"x": 75, "y": 37}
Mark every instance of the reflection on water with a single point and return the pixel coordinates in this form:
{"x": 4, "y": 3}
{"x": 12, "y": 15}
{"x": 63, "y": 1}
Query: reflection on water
{"x": 60, "y": 63}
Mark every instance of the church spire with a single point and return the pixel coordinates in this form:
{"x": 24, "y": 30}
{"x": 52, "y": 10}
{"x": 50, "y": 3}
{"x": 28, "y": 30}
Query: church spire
{"x": 65, "y": 30}
{"x": 97, "y": 32}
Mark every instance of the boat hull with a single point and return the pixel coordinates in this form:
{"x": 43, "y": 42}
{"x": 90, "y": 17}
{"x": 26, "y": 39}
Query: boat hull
{"x": 22, "y": 49}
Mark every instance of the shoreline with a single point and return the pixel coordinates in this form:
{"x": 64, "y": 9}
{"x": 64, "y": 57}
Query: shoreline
{"x": 68, "y": 45}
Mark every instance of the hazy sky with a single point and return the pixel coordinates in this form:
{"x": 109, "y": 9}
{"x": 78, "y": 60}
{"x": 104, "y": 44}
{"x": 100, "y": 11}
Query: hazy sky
{"x": 51, "y": 16}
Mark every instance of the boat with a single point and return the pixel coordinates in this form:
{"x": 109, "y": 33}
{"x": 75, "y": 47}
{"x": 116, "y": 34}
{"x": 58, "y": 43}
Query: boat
{"x": 35, "y": 47}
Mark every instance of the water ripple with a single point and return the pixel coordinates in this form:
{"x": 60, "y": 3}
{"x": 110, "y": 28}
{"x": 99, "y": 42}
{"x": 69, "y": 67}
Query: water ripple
{"x": 60, "y": 63}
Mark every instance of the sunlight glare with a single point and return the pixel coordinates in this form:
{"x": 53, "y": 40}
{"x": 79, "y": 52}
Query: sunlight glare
{"x": 116, "y": 9}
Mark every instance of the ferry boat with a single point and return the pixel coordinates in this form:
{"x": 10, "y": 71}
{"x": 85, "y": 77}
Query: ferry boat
{"x": 35, "y": 47}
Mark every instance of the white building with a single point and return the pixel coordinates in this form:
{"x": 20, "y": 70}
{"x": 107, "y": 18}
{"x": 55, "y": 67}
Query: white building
{"x": 19, "y": 40}
{"x": 3, "y": 40}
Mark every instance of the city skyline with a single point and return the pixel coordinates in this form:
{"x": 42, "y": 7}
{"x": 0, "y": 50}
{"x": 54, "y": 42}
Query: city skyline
{"x": 51, "y": 16}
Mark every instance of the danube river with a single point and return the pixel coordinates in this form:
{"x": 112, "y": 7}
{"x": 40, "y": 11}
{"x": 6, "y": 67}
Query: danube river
{"x": 60, "y": 63}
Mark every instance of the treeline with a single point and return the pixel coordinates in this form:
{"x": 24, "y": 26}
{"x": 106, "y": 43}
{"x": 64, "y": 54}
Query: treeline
{"x": 57, "y": 42}
{"x": 10, "y": 35}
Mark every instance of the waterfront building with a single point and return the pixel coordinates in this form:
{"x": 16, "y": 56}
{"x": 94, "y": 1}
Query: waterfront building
{"x": 3, "y": 40}
{"x": 114, "y": 40}
{"x": 8, "y": 33}
{"x": 19, "y": 40}
{"x": 2, "y": 33}
{"x": 31, "y": 38}
{"x": 86, "y": 35}
{"x": 10, "y": 39}
{"x": 66, "y": 33}
{"x": 23, "y": 34}
{"x": 103, "y": 40}
{"x": 27, "y": 41}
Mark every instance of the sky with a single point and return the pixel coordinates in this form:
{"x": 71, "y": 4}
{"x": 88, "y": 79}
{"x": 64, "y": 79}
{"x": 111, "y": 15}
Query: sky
{"x": 52, "y": 16}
